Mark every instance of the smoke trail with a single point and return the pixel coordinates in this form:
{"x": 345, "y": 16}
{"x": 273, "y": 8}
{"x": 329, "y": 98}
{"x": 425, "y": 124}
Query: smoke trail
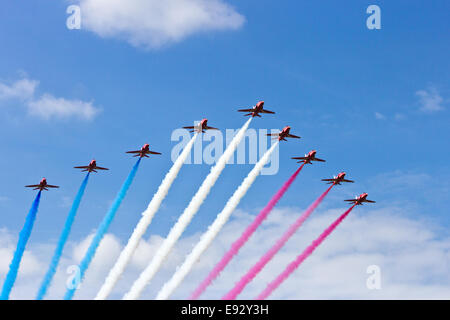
{"x": 272, "y": 251}
{"x": 144, "y": 222}
{"x": 24, "y": 235}
{"x": 103, "y": 228}
{"x": 237, "y": 245}
{"x": 296, "y": 263}
{"x": 214, "y": 228}
{"x": 185, "y": 218}
{"x": 62, "y": 241}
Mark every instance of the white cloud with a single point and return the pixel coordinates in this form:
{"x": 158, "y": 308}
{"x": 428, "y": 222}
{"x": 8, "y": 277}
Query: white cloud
{"x": 337, "y": 269}
{"x": 379, "y": 116}
{"x": 430, "y": 100}
{"x": 154, "y": 23}
{"x": 107, "y": 252}
{"x": 21, "y": 89}
{"x": 47, "y": 106}
{"x": 66, "y": 202}
{"x": 30, "y": 264}
{"x": 413, "y": 256}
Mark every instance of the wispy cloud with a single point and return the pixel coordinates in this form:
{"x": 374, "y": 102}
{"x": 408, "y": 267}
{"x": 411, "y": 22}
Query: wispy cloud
{"x": 66, "y": 202}
{"x": 401, "y": 180}
{"x": 430, "y": 100}
{"x": 21, "y": 89}
{"x": 154, "y": 23}
{"x": 379, "y": 116}
{"x": 46, "y": 106}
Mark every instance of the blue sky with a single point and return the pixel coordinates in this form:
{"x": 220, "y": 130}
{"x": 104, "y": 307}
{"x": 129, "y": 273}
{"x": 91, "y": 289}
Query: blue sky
{"x": 374, "y": 103}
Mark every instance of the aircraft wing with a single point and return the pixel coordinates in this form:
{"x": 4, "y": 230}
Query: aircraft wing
{"x": 272, "y": 134}
{"x": 51, "y": 186}
{"x": 267, "y": 111}
{"x": 292, "y": 136}
{"x": 370, "y": 201}
{"x": 192, "y": 128}
{"x": 100, "y": 168}
{"x": 82, "y": 167}
{"x": 299, "y": 158}
{"x": 320, "y": 160}
{"x": 245, "y": 110}
{"x": 345, "y": 180}
{"x": 328, "y": 179}
{"x": 154, "y": 152}
{"x": 137, "y": 151}
{"x": 210, "y": 128}
{"x": 350, "y": 200}
{"x": 32, "y": 186}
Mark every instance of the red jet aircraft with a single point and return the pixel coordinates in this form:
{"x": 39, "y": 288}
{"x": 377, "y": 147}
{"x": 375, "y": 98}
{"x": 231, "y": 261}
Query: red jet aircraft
{"x": 360, "y": 199}
{"x": 283, "y": 134}
{"x": 311, "y": 156}
{"x": 256, "y": 110}
{"x": 42, "y": 185}
{"x": 143, "y": 152}
{"x": 338, "y": 179}
{"x": 201, "y": 127}
{"x": 92, "y": 167}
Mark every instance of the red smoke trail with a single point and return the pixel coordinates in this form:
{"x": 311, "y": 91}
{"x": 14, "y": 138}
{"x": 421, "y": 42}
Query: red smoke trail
{"x": 305, "y": 254}
{"x": 248, "y": 277}
{"x": 244, "y": 237}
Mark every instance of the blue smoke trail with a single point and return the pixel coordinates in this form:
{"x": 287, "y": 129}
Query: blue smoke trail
{"x": 62, "y": 241}
{"x": 102, "y": 229}
{"x": 23, "y": 239}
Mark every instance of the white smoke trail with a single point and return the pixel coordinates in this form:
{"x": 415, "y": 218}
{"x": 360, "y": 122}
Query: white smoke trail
{"x": 183, "y": 221}
{"x": 147, "y": 216}
{"x": 214, "y": 228}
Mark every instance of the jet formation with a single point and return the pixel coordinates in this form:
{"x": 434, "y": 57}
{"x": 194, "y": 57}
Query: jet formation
{"x": 202, "y": 127}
